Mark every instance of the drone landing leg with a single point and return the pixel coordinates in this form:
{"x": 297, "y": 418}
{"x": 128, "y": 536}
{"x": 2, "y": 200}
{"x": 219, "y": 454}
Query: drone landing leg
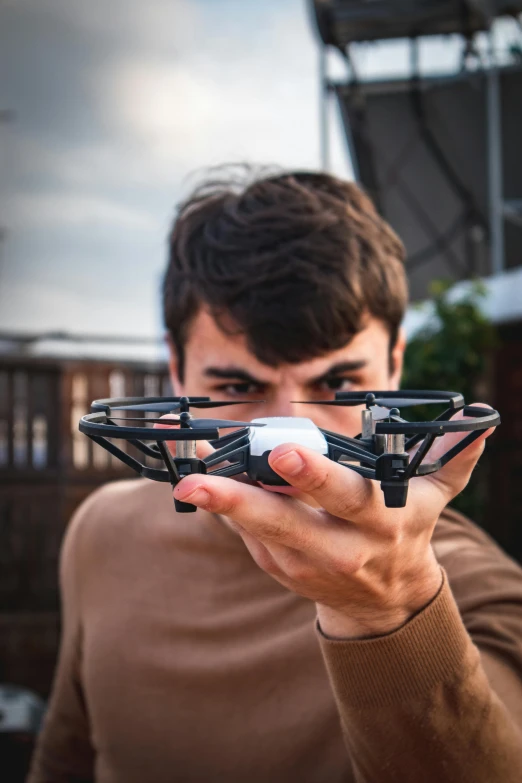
{"x": 395, "y": 488}
{"x": 391, "y": 471}
{"x": 179, "y": 468}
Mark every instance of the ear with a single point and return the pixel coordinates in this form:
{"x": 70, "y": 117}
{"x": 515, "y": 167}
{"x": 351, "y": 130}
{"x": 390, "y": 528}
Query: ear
{"x": 397, "y": 359}
{"x": 173, "y": 367}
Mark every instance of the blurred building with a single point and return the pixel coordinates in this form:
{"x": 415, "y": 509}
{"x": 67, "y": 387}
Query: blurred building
{"x": 47, "y": 467}
{"x": 440, "y": 152}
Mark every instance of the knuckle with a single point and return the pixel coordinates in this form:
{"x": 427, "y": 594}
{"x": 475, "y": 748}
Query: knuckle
{"x": 346, "y": 505}
{"x": 357, "y": 561}
{"x": 364, "y": 495}
{"x": 226, "y": 504}
{"x": 266, "y": 562}
{"x": 283, "y": 527}
{"x": 348, "y": 563}
{"x": 340, "y": 564}
{"x": 361, "y": 497}
{"x": 300, "y": 571}
{"x": 351, "y": 502}
{"x": 392, "y": 533}
{"x": 301, "y": 541}
{"x": 276, "y": 532}
{"x": 316, "y": 481}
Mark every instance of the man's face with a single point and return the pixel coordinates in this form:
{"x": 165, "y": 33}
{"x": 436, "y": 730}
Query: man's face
{"x": 221, "y": 366}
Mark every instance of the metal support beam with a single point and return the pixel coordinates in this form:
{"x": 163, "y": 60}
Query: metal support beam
{"x": 495, "y": 183}
{"x": 324, "y": 107}
{"x": 513, "y": 211}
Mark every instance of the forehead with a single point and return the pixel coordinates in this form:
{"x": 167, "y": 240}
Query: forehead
{"x": 209, "y": 346}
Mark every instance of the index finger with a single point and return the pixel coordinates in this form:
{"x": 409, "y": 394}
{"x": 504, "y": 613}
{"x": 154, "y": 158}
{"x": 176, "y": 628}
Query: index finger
{"x": 266, "y": 515}
{"x": 335, "y": 487}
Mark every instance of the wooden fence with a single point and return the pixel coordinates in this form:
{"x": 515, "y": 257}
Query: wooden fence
{"x": 47, "y": 467}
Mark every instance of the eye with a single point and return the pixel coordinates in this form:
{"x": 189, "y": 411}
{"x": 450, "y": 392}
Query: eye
{"x": 240, "y": 389}
{"x": 335, "y": 383}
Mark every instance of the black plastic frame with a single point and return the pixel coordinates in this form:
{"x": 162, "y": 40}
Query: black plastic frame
{"x": 367, "y": 456}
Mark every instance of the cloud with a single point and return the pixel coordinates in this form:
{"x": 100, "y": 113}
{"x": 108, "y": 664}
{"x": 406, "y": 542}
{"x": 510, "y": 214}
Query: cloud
{"x": 32, "y": 307}
{"x": 50, "y": 210}
{"x": 116, "y": 103}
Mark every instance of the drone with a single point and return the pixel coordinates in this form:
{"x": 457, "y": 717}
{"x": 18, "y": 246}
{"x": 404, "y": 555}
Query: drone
{"x": 389, "y": 449}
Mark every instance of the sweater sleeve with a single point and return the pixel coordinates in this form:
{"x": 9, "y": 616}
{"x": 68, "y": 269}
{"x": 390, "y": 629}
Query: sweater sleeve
{"x": 64, "y": 753}
{"x": 440, "y": 699}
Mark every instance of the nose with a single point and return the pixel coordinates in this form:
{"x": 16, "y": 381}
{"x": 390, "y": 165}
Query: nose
{"x": 286, "y": 403}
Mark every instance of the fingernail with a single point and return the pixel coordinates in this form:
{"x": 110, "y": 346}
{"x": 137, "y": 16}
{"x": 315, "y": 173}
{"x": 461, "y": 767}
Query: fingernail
{"x": 290, "y": 463}
{"x": 198, "y": 496}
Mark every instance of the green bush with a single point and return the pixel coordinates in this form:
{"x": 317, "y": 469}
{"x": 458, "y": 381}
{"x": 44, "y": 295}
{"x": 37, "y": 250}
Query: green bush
{"x": 452, "y": 352}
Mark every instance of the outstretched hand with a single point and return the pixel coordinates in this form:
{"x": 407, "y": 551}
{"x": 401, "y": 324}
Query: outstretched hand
{"x": 368, "y": 568}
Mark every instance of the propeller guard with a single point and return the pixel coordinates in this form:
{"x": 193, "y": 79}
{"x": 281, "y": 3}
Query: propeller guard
{"x": 386, "y": 452}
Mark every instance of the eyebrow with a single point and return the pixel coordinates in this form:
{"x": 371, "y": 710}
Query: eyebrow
{"x": 228, "y": 373}
{"x": 235, "y": 373}
{"x": 340, "y": 367}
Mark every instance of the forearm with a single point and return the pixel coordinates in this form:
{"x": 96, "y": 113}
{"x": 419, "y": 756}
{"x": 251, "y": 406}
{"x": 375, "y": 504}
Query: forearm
{"x": 417, "y": 705}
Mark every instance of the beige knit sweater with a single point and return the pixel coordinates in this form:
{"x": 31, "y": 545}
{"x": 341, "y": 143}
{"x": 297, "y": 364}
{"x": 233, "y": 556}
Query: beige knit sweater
{"x": 182, "y": 661}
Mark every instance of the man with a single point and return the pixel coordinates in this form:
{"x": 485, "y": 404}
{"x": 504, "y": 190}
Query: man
{"x": 309, "y": 637}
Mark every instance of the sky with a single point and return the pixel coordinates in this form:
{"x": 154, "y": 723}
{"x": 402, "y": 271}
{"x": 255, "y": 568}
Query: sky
{"x": 113, "y": 107}
{"x": 110, "y": 108}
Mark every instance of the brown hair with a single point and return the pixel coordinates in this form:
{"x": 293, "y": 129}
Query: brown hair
{"x": 292, "y": 261}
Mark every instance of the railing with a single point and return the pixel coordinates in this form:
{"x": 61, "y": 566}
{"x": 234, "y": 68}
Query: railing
{"x": 47, "y": 468}
{"x": 41, "y": 403}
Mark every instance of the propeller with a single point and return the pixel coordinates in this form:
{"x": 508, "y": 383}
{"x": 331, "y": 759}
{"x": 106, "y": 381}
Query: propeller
{"x": 388, "y": 402}
{"x": 170, "y": 407}
{"x": 221, "y": 424}
{"x": 194, "y": 424}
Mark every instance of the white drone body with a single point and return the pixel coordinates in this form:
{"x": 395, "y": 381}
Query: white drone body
{"x": 277, "y": 430}
{"x": 285, "y": 429}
